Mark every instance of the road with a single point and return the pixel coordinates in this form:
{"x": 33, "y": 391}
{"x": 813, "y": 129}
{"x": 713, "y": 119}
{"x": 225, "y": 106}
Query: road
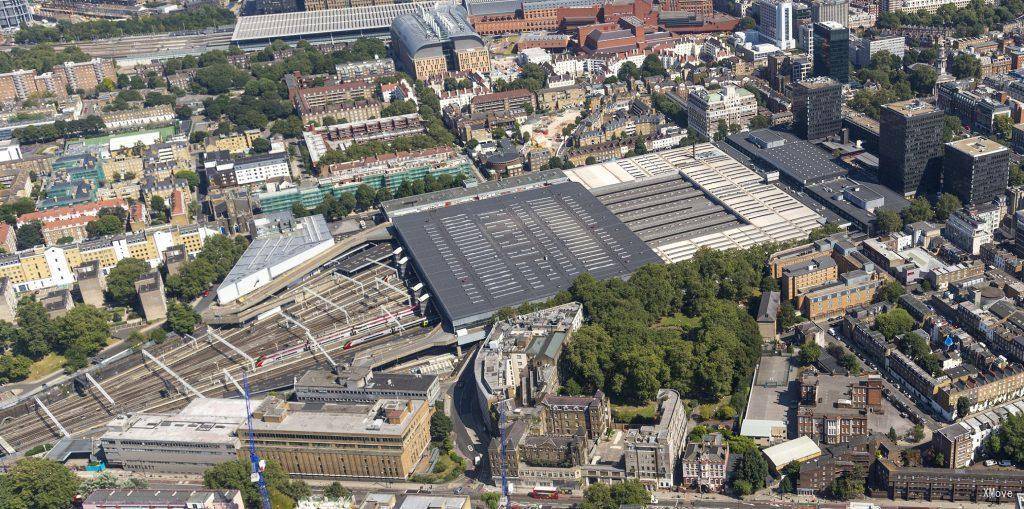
{"x": 471, "y": 435}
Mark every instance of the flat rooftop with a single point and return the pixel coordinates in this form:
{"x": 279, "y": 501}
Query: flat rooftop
{"x": 705, "y": 196}
{"x": 832, "y": 193}
{"x": 335, "y": 418}
{"x": 202, "y": 420}
{"x": 479, "y": 256}
{"x": 911, "y": 108}
{"x": 977, "y": 146}
{"x": 422, "y": 202}
{"x": 797, "y": 160}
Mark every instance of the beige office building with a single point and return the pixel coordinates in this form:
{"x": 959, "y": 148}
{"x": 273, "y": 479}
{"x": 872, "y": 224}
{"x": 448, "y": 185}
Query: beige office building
{"x": 383, "y": 440}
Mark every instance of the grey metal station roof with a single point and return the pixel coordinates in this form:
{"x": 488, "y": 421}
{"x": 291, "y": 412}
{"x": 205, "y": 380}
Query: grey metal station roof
{"x": 480, "y": 256}
{"x": 330, "y": 21}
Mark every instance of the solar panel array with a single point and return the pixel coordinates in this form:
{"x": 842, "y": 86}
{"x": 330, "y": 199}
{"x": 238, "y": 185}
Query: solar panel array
{"x": 478, "y": 257}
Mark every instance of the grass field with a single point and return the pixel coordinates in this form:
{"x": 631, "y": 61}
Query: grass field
{"x": 45, "y": 366}
{"x": 679, "y": 321}
{"x": 635, "y": 414}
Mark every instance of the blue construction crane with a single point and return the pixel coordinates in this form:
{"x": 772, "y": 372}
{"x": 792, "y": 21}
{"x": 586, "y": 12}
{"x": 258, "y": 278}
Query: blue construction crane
{"x": 256, "y": 477}
{"x": 504, "y": 477}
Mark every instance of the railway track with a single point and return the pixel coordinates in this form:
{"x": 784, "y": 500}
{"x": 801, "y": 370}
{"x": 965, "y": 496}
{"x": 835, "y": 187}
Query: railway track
{"x": 202, "y": 363}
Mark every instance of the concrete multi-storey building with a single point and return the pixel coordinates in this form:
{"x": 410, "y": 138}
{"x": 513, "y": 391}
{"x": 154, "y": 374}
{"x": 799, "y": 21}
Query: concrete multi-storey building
{"x": 91, "y": 283}
{"x": 8, "y": 301}
{"x": 854, "y": 288}
{"x": 776, "y": 24}
{"x": 971, "y": 228}
{"x": 831, "y": 10}
{"x": 705, "y": 463}
{"x": 652, "y": 452}
{"x": 361, "y": 385}
{"x": 730, "y": 104}
{"x": 14, "y": 14}
{"x": 150, "y": 288}
{"x": 429, "y": 44}
{"x": 834, "y": 409}
{"x": 984, "y": 390}
{"x": 564, "y": 415}
{"x": 222, "y": 170}
{"x": 922, "y": 5}
{"x": 197, "y": 437}
{"x": 127, "y": 119}
{"x": 817, "y": 108}
{"x": 976, "y": 170}
{"x": 383, "y": 440}
{"x": 798, "y": 277}
{"x": 24, "y": 84}
{"x": 955, "y": 444}
{"x": 978, "y": 485}
{"x": 832, "y": 50}
{"x": 47, "y": 267}
{"x": 376, "y": 68}
{"x": 509, "y": 100}
{"x": 164, "y": 499}
{"x": 86, "y": 76}
{"x": 862, "y": 49}
{"x": 910, "y": 147}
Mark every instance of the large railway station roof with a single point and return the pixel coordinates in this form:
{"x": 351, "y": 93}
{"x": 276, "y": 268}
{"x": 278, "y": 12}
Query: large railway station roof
{"x": 480, "y": 256}
{"x": 353, "y": 20}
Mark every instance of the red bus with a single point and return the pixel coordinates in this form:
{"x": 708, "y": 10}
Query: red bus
{"x": 545, "y": 492}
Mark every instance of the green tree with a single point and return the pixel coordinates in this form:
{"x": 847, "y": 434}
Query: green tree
{"x": 628, "y": 71}
{"x": 440, "y": 426}
{"x": 963, "y": 407}
{"x": 951, "y": 128}
{"x": 652, "y": 66}
{"x": 752, "y": 469}
{"x": 260, "y": 146}
{"x": 37, "y": 337}
{"x": 888, "y": 221}
{"x": 919, "y": 210}
{"x": 190, "y": 176}
{"x": 235, "y": 475}
{"x": 847, "y": 486}
{"x": 894, "y": 323}
{"x": 946, "y": 205}
{"x": 80, "y": 334}
{"x": 29, "y": 235}
{"x": 1007, "y": 442}
{"x": 760, "y": 122}
{"x": 918, "y": 432}
{"x": 722, "y": 131}
{"x": 181, "y": 318}
{"x": 809, "y": 354}
{"x": 891, "y": 291}
{"x": 965, "y": 65}
{"x": 1002, "y": 126}
{"x": 491, "y": 499}
{"x": 14, "y": 368}
{"x": 105, "y": 225}
{"x": 604, "y": 496}
{"x": 34, "y": 483}
{"x": 335, "y": 491}
{"x": 122, "y": 278}
{"x": 1016, "y": 176}
{"x": 922, "y": 79}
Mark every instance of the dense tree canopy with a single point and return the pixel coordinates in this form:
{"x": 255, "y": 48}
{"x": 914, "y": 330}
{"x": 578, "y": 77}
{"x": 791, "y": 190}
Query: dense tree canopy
{"x": 605, "y": 496}
{"x": 210, "y": 266}
{"x": 122, "y": 278}
{"x": 624, "y": 351}
{"x": 969, "y": 21}
{"x": 235, "y": 475}
{"x": 34, "y": 483}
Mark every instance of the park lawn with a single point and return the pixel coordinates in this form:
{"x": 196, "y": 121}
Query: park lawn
{"x": 628, "y": 413}
{"x": 52, "y": 362}
{"x": 680, "y": 321}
